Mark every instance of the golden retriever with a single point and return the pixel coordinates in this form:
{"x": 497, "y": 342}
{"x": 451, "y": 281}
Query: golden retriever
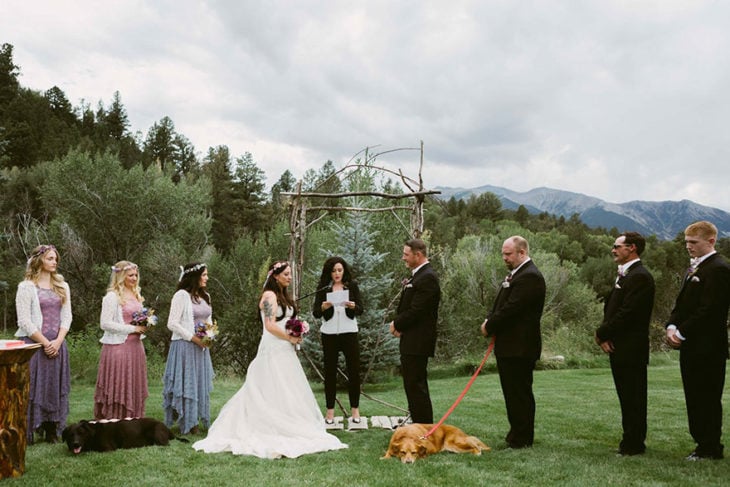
{"x": 407, "y": 442}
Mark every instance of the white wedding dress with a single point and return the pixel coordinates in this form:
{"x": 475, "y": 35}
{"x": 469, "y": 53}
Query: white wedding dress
{"x": 274, "y": 414}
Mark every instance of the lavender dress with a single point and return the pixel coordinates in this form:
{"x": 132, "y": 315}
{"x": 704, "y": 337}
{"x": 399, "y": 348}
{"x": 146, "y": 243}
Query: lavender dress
{"x": 121, "y": 383}
{"x": 50, "y": 378}
{"x": 188, "y": 380}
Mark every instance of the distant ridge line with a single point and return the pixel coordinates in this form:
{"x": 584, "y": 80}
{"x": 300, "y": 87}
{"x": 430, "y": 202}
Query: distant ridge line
{"x": 665, "y": 219}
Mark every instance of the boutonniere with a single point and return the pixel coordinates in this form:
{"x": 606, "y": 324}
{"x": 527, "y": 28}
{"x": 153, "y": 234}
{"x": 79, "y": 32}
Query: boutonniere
{"x": 505, "y": 283}
{"x": 406, "y": 282}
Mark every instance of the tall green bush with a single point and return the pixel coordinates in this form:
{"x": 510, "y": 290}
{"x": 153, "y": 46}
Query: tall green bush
{"x": 471, "y": 279}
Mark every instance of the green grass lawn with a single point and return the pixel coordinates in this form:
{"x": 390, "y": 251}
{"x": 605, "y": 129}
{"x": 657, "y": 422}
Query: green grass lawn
{"x": 577, "y": 433}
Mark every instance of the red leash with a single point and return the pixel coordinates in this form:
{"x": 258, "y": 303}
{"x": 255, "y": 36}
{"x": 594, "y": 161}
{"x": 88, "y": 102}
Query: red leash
{"x": 463, "y": 393}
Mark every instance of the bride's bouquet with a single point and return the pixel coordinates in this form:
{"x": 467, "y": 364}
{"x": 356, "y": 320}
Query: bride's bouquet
{"x": 296, "y": 328}
{"x": 207, "y": 331}
{"x": 144, "y": 317}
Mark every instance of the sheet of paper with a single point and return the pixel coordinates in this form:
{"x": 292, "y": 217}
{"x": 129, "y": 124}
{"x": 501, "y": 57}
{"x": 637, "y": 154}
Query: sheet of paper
{"x": 338, "y": 298}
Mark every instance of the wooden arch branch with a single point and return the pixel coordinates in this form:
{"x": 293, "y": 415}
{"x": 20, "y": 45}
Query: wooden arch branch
{"x": 299, "y": 208}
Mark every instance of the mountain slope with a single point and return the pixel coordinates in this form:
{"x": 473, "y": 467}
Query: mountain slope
{"x": 665, "y": 219}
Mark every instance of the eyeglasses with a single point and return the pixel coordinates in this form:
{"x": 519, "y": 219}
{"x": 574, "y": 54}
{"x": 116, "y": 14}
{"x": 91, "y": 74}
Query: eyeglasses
{"x": 615, "y": 246}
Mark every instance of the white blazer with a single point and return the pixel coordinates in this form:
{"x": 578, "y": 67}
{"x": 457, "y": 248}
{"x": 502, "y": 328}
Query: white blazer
{"x": 28, "y": 309}
{"x": 180, "y": 322}
{"x": 112, "y": 321}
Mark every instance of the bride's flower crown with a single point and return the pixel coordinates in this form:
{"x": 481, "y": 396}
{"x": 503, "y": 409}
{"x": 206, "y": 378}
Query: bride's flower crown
{"x": 276, "y": 267}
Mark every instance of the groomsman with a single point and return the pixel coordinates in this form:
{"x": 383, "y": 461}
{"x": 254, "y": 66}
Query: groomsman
{"x": 514, "y": 321}
{"x": 624, "y": 335}
{"x": 698, "y": 327}
{"x": 415, "y": 325}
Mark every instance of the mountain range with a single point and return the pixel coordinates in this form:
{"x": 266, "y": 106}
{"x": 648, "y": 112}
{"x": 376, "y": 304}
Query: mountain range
{"x": 665, "y": 219}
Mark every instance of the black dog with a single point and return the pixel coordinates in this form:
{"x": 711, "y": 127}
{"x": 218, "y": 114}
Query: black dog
{"x": 112, "y": 434}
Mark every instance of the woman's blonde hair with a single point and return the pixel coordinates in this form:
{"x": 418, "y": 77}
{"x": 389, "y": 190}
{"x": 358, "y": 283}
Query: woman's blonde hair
{"x": 35, "y": 266}
{"x": 119, "y": 274}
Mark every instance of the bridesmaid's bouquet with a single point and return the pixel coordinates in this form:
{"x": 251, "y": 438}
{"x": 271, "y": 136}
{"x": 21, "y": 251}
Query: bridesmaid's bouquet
{"x": 207, "y": 331}
{"x": 144, "y": 317}
{"x": 296, "y": 328}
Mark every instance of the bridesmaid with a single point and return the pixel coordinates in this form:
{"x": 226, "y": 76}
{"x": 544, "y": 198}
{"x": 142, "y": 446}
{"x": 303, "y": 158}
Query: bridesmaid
{"x": 43, "y": 306}
{"x": 189, "y": 372}
{"x": 121, "y": 383}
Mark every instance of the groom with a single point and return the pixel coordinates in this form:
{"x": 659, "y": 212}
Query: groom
{"x": 415, "y": 325}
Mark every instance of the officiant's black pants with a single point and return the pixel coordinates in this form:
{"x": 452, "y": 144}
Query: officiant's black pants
{"x": 332, "y": 345}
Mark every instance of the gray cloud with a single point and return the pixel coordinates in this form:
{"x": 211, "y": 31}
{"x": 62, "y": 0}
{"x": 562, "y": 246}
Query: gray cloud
{"x": 622, "y": 100}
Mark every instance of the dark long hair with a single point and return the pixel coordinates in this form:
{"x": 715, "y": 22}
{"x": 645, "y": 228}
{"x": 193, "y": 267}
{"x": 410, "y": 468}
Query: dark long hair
{"x": 326, "y": 278}
{"x": 190, "y": 281}
{"x": 283, "y": 298}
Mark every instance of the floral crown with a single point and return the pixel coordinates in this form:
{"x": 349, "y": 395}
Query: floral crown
{"x": 41, "y": 250}
{"x": 126, "y": 268}
{"x": 194, "y": 268}
{"x": 276, "y": 267}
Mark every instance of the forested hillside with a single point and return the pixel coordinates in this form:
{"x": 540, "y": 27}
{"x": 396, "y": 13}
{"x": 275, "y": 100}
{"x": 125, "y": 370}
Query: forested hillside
{"x": 101, "y": 190}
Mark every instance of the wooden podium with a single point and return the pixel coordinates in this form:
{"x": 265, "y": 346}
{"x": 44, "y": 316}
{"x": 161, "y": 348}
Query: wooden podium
{"x": 14, "y": 390}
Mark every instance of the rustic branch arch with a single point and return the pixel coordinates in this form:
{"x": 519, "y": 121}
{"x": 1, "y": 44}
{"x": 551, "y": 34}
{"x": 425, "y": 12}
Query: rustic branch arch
{"x": 299, "y": 205}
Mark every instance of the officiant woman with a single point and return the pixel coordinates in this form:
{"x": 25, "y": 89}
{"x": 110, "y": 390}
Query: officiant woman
{"x": 339, "y": 332}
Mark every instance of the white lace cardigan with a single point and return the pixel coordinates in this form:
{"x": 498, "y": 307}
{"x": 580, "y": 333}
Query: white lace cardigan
{"x": 112, "y": 321}
{"x": 28, "y": 308}
{"x": 180, "y": 322}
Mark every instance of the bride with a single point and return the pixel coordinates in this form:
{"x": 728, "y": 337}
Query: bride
{"x": 274, "y": 414}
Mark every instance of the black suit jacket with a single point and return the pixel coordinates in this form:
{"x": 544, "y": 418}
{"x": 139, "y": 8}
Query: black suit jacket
{"x": 701, "y": 310}
{"x": 418, "y": 313}
{"x": 515, "y": 317}
{"x": 627, "y": 314}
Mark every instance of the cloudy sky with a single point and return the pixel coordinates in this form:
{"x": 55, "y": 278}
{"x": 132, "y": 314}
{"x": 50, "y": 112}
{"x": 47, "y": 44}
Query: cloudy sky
{"x": 622, "y": 100}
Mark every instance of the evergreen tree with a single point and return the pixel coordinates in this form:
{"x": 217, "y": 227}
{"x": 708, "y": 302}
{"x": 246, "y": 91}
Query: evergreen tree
{"x": 286, "y": 183}
{"x": 116, "y": 122}
{"x": 217, "y": 166}
{"x": 248, "y": 192}
{"x": 8, "y": 77}
{"x": 184, "y": 159}
{"x": 158, "y": 146}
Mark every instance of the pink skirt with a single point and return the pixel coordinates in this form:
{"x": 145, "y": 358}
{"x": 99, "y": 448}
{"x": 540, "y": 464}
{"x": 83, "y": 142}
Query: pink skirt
{"x": 121, "y": 384}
